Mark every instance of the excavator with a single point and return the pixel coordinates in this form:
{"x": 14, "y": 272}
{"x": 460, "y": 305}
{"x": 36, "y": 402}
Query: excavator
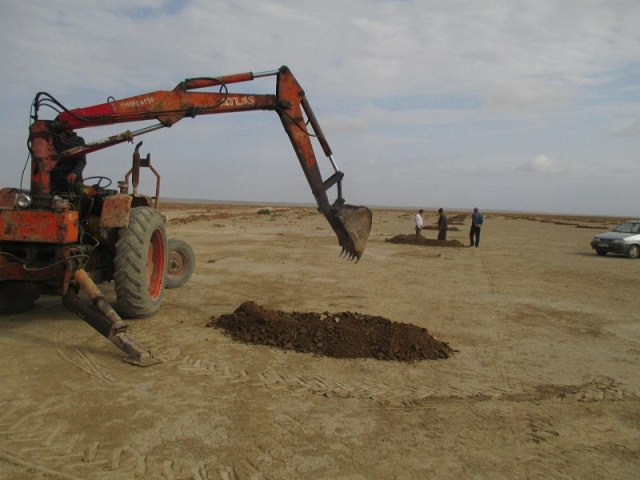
{"x": 66, "y": 241}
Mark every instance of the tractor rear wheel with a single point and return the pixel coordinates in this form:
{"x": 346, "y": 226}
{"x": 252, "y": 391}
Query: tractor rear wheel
{"x": 182, "y": 261}
{"x": 139, "y": 266}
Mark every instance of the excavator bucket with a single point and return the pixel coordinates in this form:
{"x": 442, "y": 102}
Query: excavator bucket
{"x": 352, "y": 226}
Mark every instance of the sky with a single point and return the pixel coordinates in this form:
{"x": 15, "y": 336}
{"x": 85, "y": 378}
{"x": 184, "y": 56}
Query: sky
{"x": 501, "y": 105}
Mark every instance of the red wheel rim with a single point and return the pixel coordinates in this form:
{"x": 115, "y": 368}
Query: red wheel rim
{"x": 155, "y": 264}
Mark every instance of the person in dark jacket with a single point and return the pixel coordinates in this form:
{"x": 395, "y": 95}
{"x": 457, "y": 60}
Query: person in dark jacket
{"x": 442, "y": 225}
{"x": 66, "y": 176}
{"x": 476, "y": 224}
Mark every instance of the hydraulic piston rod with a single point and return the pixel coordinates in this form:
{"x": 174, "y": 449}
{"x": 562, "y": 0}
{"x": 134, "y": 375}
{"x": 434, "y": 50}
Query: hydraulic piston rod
{"x": 102, "y": 317}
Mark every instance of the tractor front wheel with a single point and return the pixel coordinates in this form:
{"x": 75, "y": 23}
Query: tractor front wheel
{"x": 182, "y": 261}
{"x": 140, "y": 263}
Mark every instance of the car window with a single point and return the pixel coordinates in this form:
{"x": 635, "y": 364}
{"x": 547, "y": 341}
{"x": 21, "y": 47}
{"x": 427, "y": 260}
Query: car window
{"x": 636, "y": 228}
{"x": 626, "y": 227}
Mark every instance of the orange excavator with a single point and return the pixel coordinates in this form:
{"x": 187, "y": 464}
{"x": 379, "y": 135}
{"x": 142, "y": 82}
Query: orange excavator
{"x": 65, "y": 240}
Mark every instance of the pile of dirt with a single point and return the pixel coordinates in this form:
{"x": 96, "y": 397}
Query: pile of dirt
{"x": 413, "y": 240}
{"x": 435, "y": 227}
{"x": 340, "y": 335}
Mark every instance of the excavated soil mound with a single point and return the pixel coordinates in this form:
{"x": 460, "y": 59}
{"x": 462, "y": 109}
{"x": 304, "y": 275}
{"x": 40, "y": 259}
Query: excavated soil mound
{"x": 411, "y": 239}
{"x": 435, "y": 227}
{"x": 340, "y": 335}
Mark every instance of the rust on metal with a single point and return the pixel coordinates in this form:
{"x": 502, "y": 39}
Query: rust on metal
{"x": 134, "y": 174}
{"x": 38, "y": 226}
{"x": 42, "y": 157}
{"x": 8, "y": 197}
{"x": 86, "y": 284}
{"x": 115, "y": 211}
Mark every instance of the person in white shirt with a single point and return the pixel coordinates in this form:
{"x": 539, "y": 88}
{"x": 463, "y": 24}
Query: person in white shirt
{"x": 419, "y": 222}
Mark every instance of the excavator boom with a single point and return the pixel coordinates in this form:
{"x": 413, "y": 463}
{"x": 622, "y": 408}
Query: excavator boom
{"x": 351, "y": 224}
{"x": 63, "y": 237}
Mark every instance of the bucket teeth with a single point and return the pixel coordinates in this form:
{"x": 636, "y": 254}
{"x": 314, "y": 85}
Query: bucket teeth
{"x": 349, "y": 254}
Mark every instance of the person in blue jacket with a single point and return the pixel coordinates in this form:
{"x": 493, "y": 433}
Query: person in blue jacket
{"x": 476, "y": 224}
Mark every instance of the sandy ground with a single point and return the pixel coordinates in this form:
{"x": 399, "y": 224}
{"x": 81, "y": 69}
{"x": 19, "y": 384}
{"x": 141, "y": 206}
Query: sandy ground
{"x": 544, "y": 384}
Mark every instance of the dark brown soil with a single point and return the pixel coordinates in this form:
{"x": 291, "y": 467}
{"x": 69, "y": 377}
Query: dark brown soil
{"x": 413, "y": 240}
{"x": 435, "y": 227}
{"x": 340, "y": 335}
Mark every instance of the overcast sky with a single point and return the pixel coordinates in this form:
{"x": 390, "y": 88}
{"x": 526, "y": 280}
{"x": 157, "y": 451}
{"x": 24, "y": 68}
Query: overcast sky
{"x": 504, "y": 105}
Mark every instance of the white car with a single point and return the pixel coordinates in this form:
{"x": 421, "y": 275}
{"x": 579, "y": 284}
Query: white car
{"x": 623, "y": 240}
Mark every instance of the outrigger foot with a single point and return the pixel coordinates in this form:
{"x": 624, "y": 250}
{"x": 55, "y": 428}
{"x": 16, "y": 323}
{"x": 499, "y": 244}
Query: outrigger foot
{"x": 102, "y": 317}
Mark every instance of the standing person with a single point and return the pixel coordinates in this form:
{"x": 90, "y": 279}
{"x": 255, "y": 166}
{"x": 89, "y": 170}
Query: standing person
{"x": 442, "y": 225}
{"x": 419, "y": 222}
{"x": 476, "y": 223}
{"x": 66, "y": 176}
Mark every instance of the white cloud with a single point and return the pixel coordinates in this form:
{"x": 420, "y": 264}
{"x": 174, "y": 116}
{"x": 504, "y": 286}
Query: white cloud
{"x": 540, "y": 163}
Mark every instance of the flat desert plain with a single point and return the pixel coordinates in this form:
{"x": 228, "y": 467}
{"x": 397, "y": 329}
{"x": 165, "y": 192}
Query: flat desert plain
{"x": 544, "y": 382}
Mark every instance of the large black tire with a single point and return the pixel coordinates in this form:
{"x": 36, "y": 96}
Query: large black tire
{"x": 139, "y": 266}
{"x": 633, "y": 252}
{"x": 600, "y": 252}
{"x": 181, "y": 263}
{"x": 16, "y": 297}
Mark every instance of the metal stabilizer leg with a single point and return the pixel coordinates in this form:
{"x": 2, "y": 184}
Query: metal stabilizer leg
{"x": 105, "y": 320}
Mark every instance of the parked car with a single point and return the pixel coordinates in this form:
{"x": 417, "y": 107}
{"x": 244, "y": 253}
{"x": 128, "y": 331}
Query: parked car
{"x": 623, "y": 240}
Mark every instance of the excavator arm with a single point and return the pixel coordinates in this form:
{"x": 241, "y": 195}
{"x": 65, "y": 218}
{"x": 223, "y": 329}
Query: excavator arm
{"x": 43, "y": 249}
{"x": 351, "y": 224}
